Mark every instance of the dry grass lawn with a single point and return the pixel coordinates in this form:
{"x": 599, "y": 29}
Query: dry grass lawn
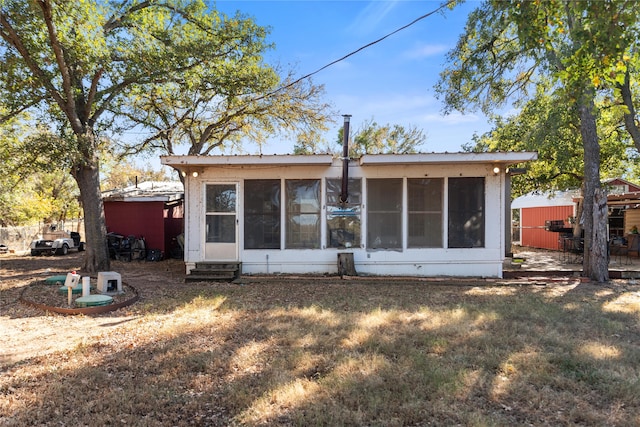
{"x": 321, "y": 351}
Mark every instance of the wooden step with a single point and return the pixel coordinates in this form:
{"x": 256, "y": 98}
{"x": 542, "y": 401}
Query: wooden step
{"x": 208, "y": 278}
{"x": 216, "y": 265}
{"x": 200, "y": 270}
{"x": 214, "y": 272}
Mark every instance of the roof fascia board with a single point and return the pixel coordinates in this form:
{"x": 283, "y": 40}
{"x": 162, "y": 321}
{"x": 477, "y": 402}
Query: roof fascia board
{"x": 441, "y": 158}
{"x": 275, "y": 159}
{"x": 141, "y": 199}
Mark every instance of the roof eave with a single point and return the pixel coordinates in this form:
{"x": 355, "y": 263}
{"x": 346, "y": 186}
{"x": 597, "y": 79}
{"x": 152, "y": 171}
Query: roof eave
{"x": 504, "y": 158}
{"x": 274, "y": 160}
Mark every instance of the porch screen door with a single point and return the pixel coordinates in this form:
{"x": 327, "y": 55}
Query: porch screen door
{"x": 221, "y": 235}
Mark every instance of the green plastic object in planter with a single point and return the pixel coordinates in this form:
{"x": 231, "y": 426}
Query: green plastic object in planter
{"x": 54, "y": 280}
{"x": 94, "y": 300}
{"x": 75, "y": 290}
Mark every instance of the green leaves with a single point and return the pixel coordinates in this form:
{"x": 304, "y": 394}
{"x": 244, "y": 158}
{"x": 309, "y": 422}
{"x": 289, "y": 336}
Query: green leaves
{"x": 507, "y": 46}
{"x": 544, "y": 56}
{"x": 35, "y": 184}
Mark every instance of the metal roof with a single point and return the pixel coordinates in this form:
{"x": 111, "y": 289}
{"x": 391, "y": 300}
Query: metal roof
{"x": 503, "y": 158}
{"x": 147, "y": 191}
{"x": 538, "y": 199}
{"x": 273, "y": 159}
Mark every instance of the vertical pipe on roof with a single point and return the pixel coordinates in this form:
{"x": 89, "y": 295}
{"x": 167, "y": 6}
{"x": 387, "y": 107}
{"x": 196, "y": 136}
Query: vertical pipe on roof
{"x": 344, "y": 194}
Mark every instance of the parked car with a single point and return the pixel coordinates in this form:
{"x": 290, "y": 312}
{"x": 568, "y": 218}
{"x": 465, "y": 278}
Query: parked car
{"x": 57, "y": 243}
{"x": 4, "y": 249}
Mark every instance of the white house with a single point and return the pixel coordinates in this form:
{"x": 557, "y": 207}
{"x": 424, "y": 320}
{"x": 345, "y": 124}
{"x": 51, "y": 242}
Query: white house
{"x": 438, "y": 214}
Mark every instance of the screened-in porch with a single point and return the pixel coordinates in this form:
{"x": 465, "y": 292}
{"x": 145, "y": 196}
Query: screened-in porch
{"x": 401, "y": 215}
{"x": 297, "y": 213}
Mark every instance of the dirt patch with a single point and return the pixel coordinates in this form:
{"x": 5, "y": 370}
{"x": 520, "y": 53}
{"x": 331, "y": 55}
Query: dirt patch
{"x": 305, "y": 350}
{"x": 30, "y": 332}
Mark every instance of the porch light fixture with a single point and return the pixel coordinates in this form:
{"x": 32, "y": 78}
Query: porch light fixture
{"x": 195, "y": 174}
{"x": 496, "y": 170}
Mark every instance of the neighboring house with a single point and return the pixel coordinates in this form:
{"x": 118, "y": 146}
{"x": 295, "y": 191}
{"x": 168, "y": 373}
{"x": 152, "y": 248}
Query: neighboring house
{"x": 531, "y": 213}
{"x": 151, "y": 209}
{"x": 620, "y": 186}
{"x": 623, "y": 202}
{"x": 439, "y": 214}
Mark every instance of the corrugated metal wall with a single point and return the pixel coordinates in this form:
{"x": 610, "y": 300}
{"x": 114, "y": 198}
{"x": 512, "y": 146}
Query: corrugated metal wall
{"x": 138, "y": 219}
{"x": 173, "y": 225}
{"x": 532, "y": 220}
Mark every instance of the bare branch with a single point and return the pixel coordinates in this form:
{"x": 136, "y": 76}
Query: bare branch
{"x": 68, "y": 106}
{"x": 8, "y": 33}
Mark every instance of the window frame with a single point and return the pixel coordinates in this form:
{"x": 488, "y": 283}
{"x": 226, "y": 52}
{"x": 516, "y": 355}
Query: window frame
{"x": 466, "y": 223}
{"x": 346, "y": 216}
{"x": 220, "y": 218}
{"x": 264, "y": 216}
{"x": 378, "y": 214}
{"x": 428, "y": 210}
{"x": 295, "y": 211}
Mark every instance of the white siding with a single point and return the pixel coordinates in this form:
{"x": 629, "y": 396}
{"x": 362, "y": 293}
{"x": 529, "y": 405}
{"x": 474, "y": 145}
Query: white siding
{"x": 476, "y": 262}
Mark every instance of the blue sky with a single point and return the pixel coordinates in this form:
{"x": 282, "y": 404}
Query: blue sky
{"x": 389, "y": 82}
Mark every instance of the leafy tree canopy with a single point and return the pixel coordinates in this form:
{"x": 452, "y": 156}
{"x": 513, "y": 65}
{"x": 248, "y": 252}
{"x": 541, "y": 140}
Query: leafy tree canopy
{"x": 34, "y": 184}
{"x": 197, "y": 117}
{"x": 120, "y": 174}
{"x": 370, "y": 138}
{"x": 545, "y": 124}
{"x": 86, "y": 68}
{"x": 510, "y": 49}
{"x": 41, "y": 196}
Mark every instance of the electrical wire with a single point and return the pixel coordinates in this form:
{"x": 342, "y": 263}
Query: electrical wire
{"x": 306, "y": 76}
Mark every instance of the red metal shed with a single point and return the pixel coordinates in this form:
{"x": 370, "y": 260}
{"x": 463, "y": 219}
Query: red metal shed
{"x": 535, "y": 209}
{"x": 151, "y": 209}
{"x": 531, "y": 212}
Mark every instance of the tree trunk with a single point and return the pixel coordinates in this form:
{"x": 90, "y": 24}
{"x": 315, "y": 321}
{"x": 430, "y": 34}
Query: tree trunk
{"x": 577, "y": 220}
{"x": 346, "y": 265}
{"x": 97, "y": 254}
{"x": 600, "y": 251}
{"x": 630, "y": 115}
{"x": 595, "y": 262}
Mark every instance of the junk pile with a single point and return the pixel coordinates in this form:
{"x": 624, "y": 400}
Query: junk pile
{"x": 126, "y": 248}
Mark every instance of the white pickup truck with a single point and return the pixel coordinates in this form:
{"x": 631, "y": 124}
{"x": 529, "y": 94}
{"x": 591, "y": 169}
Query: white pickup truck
{"x": 57, "y": 243}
